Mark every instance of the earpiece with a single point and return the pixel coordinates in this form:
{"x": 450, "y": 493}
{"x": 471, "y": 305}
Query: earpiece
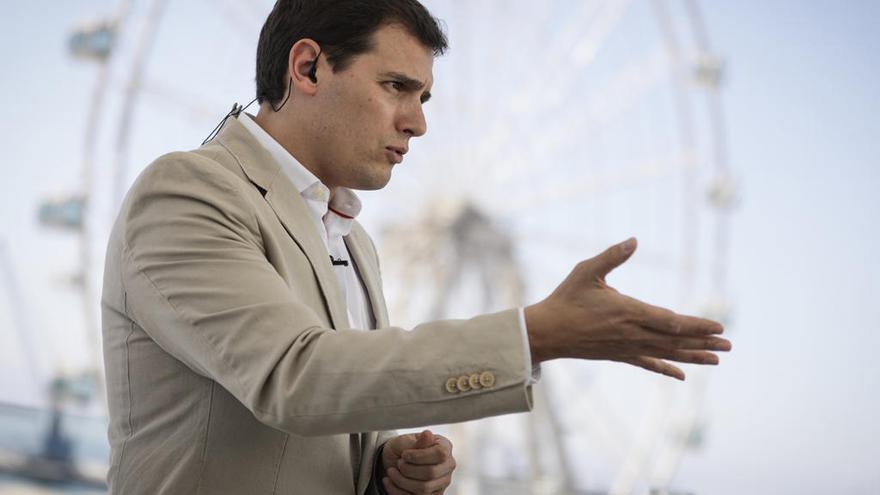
{"x": 313, "y": 71}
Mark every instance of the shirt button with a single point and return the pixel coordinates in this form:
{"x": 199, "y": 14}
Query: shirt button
{"x": 487, "y": 379}
{"x": 474, "y": 381}
{"x": 451, "y": 385}
{"x": 463, "y": 383}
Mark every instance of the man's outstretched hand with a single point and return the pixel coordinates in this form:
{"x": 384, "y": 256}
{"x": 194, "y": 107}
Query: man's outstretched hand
{"x": 584, "y": 318}
{"x": 417, "y": 464}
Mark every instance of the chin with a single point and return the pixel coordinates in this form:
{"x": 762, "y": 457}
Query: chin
{"x": 380, "y": 178}
{"x": 376, "y": 184}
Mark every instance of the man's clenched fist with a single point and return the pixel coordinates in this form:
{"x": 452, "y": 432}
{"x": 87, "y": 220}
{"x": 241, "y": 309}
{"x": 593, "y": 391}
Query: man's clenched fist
{"x": 417, "y": 464}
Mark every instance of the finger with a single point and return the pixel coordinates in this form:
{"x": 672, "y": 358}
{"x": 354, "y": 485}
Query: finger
{"x": 638, "y": 341}
{"x": 436, "y": 454}
{"x": 400, "y": 443}
{"x": 417, "y": 486}
{"x": 441, "y": 440}
{"x": 693, "y": 357}
{"x": 667, "y": 321}
{"x": 657, "y": 366}
{"x": 696, "y": 344}
{"x": 392, "y": 489}
{"x": 602, "y": 264}
{"x": 646, "y": 342}
{"x": 426, "y": 472}
{"x": 424, "y": 440}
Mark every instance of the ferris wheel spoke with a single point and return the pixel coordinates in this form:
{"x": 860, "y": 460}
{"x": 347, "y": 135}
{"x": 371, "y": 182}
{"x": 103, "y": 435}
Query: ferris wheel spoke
{"x": 698, "y": 26}
{"x": 20, "y": 321}
{"x": 594, "y": 411}
{"x": 605, "y": 107}
{"x": 585, "y": 48}
{"x": 186, "y": 104}
{"x": 471, "y": 107}
{"x": 240, "y": 15}
{"x": 626, "y": 177}
{"x": 579, "y": 247}
{"x": 684, "y": 432}
{"x": 601, "y": 19}
{"x": 585, "y": 31}
{"x": 607, "y": 104}
{"x": 633, "y": 467}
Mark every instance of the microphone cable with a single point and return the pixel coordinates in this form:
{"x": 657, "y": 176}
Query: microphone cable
{"x": 237, "y": 109}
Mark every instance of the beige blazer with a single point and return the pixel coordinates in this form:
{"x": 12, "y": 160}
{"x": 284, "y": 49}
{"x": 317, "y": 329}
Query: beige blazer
{"x": 230, "y": 366}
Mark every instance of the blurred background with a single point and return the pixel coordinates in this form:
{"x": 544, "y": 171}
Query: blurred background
{"x": 737, "y": 140}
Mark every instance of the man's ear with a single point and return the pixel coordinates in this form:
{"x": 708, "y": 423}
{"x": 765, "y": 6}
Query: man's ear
{"x": 303, "y": 55}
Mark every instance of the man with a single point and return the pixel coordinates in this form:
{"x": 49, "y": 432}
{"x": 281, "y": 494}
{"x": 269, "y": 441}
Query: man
{"x": 247, "y": 345}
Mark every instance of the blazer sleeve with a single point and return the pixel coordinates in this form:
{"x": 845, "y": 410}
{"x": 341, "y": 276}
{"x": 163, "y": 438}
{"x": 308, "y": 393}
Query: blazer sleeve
{"x": 197, "y": 280}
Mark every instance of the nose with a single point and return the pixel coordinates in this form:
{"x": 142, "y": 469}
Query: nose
{"x": 413, "y": 121}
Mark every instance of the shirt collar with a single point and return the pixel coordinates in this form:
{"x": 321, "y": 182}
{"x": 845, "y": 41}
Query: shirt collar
{"x": 340, "y": 210}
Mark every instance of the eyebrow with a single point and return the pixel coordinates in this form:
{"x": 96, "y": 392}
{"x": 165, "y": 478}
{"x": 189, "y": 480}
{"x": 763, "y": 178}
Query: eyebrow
{"x": 409, "y": 83}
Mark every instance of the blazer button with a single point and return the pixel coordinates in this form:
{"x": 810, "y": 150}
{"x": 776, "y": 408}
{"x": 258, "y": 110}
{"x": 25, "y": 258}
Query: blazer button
{"x": 451, "y": 385}
{"x": 487, "y": 379}
{"x": 474, "y": 381}
{"x": 463, "y": 383}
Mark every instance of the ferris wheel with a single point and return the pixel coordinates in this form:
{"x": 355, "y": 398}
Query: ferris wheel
{"x": 555, "y": 131}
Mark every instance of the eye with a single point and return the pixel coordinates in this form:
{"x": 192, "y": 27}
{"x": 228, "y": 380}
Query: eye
{"x": 395, "y": 85}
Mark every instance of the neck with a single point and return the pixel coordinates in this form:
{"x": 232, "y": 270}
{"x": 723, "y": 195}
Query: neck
{"x": 290, "y": 134}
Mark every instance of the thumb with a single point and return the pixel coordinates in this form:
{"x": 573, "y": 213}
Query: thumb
{"x": 612, "y": 257}
{"x": 424, "y": 440}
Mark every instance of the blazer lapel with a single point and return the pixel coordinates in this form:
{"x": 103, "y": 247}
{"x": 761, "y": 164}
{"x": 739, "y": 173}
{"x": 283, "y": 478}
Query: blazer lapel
{"x": 357, "y": 242}
{"x": 290, "y": 208}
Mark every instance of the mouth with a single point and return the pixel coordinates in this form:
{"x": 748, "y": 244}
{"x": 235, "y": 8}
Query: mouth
{"x": 395, "y": 153}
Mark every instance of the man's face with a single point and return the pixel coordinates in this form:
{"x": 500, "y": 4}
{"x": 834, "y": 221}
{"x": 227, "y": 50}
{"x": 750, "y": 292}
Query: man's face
{"x": 369, "y": 111}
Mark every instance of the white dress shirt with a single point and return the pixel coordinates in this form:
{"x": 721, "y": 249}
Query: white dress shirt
{"x": 333, "y": 218}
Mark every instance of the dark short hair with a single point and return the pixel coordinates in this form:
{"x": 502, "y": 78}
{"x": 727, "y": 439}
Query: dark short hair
{"x": 343, "y": 28}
